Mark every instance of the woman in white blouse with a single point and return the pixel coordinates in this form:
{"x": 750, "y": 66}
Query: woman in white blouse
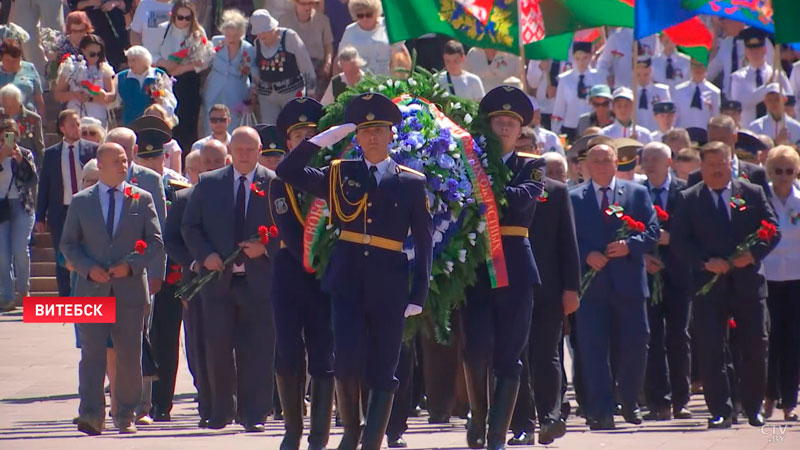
{"x": 782, "y": 270}
{"x": 368, "y": 35}
{"x": 85, "y": 83}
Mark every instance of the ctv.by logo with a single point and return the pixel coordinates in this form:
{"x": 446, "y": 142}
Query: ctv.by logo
{"x": 776, "y": 433}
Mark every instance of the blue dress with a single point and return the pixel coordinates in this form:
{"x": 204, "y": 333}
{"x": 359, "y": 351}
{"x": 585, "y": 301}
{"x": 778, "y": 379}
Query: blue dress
{"x": 228, "y": 81}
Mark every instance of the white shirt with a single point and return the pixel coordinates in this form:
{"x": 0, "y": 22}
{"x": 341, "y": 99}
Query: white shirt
{"x": 66, "y": 178}
{"x": 685, "y": 115}
{"x": 373, "y": 46}
{"x": 664, "y": 194}
{"x": 382, "y": 167}
{"x": 680, "y": 62}
{"x": 492, "y": 73}
{"x": 722, "y": 62}
{"x": 7, "y": 186}
{"x": 783, "y": 262}
{"x": 616, "y": 130}
{"x": 616, "y": 60}
{"x": 655, "y": 93}
{"x": 549, "y": 141}
{"x": 568, "y": 107}
{"x": 726, "y": 197}
{"x": 743, "y": 89}
{"x": 609, "y": 194}
{"x": 104, "y": 202}
{"x": 769, "y": 126}
{"x": 239, "y": 268}
{"x": 539, "y": 80}
{"x": 466, "y": 85}
{"x": 202, "y": 141}
{"x": 657, "y": 136}
{"x": 148, "y": 16}
{"x": 173, "y": 39}
{"x": 794, "y": 80}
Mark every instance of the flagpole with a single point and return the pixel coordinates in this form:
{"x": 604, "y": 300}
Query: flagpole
{"x": 635, "y": 90}
{"x": 777, "y": 68}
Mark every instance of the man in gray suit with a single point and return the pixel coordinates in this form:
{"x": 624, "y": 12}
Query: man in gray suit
{"x": 102, "y": 226}
{"x": 223, "y": 213}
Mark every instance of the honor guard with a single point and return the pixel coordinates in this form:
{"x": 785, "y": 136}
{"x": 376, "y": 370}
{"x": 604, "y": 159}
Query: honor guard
{"x": 495, "y": 322}
{"x": 373, "y": 202}
{"x": 302, "y": 311}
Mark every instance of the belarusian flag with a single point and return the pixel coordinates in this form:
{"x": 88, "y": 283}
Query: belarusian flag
{"x": 90, "y": 87}
{"x": 180, "y": 55}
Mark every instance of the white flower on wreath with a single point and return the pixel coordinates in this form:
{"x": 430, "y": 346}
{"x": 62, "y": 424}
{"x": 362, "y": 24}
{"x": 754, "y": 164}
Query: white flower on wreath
{"x": 468, "y": 119}
{"x": 472, "y": 238}
{"x": 437, "y": 237}
{"x": 462, "y": 255}
{"x": 481, "y": 227}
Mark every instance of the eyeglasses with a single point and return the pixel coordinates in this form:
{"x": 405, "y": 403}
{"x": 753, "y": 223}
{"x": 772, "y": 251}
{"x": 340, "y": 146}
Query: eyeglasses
{"x": 91, "y": 133}
{"x": 93, "y": 54}
{"x": 781, "y": 171}
{"x": 217, "y": 119}
{"x": 601, "y": 104}
{"x": 364, "y": 16}
{"x": 179, "y": 18}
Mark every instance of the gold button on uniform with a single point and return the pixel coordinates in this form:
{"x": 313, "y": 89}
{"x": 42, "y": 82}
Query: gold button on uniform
{"x": 369, "y": 220}
{"x": 366, "y": 253}
{"x": 369, "y": 204}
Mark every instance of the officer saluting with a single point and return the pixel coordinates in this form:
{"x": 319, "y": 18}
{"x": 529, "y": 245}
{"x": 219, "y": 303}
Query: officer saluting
{"x": 374, "y": 202}
{"x": 302, "y": 310}
{"x": 496, "y": 322}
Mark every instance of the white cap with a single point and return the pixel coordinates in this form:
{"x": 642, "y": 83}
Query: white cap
{"x": 773, "y": 88}
{"x": 623, "y": 92}
{"x": 261, "y": 21}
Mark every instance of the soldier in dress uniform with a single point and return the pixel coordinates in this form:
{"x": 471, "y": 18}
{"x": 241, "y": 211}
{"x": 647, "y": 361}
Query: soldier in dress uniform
{"x": 623, "y": 122}
{"x": 730, "y": 55}
{"x": 572, "y": 94}
{"x": 302, "y": 311}
{"x": 697, "y": 100}
{"x": 670, "y": 67}
{"x": 781, "y": 127}
{"x": 495, "y": 322}
{"x": 649, "y": 92}
{"x": 615, "y": 61}
{"x": 374, "y": 202}
{"x": 664, "y": 114}
{"x": 628, "y": 158}
{"x": 273, "y": 146}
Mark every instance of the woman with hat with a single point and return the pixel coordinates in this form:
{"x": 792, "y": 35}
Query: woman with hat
{"x": 282, "y": 67}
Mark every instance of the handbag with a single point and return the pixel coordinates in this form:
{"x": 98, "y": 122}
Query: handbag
{"x": 5, "y": 204}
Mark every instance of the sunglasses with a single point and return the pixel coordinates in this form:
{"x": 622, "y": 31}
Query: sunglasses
{"x": 781, "y": 171}
{"x": 91, "y": 133}
{"x": 364, "y": 16}
{"x": 601, "y": 104}
{"x": 217, "y": 119}
{"x": 92, "y": 54}
{"x": 179, "y": 18}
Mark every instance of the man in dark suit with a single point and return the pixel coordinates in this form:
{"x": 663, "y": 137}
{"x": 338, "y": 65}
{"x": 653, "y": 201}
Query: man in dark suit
{"x": 668, "y": 359}
{"x": 723, "y": 129}
{"x": 213, "y": 156}
{"x": 59, "y": 181}
{"x": 618, "y": 292}
{"x": 712, "y": 218}
{"x": 223, "y": 213}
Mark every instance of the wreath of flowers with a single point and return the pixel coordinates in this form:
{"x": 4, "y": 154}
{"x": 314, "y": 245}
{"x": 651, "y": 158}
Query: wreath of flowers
{"x": 422, "y": 143}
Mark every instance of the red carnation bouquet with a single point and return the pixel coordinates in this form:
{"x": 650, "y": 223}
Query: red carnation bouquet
{"x": 191, "y": 289}
{"x": 656, "y": 292}
{"x": 764, "y": 233}
{"x": 629, "y": 226}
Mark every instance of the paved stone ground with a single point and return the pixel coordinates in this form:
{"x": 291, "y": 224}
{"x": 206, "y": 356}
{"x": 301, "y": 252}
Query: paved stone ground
{"x": 38, "y": 399}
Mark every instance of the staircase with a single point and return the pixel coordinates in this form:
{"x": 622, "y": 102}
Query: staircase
{"x": 43, "y": 267}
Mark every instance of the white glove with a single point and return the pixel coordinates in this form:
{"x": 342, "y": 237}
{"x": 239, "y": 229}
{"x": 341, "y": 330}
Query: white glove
{"x": 333, "y": 135}
{"x": 412, "y": 310}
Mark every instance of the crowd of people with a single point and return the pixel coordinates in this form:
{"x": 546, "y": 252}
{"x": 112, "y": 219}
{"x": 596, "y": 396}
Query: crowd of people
{"x": 190, "y": 126}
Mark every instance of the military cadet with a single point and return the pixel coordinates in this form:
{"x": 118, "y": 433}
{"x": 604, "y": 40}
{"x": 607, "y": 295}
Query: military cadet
{"x": 572, "y": 94}
{"x": 782, "y": 128}
{"x": 730, "y": 55}
{"x": 670, "y": 67}
{"x": 495, "y": 322}
{"x": 374, "y": 202}
{"x": 664, "y": 114}
{"x": 697, "y": 99}
{"x": 749, "y": 84}
{"x": 601, "y": 114}
{"x": 628, "y": 158}
{"x": 623, "y": 120}
{"x": 302, "y": 310}
{"x": 615, "y": 61}
{"x": 649, "y": 93}
{"x": 732, "y": 109}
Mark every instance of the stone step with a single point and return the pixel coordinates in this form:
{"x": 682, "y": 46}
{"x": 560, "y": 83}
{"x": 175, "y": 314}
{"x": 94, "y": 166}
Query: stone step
{"x": 45, "y": 294}
{"x": 42, "y": 240}
{"x": 43, "y": 269}
{"x": 43, "y": 254}
{"x": 44, "y": 284}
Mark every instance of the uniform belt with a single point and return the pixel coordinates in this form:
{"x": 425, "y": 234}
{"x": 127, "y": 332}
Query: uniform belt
{"x": 375, "y": 241}
{"x": 514, "y": 231}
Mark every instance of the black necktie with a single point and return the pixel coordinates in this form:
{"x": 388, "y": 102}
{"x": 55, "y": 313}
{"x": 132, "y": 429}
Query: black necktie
{"x": 722, "y": 206}
{"x": 759, "y": 78}
{"x": 581, "y": 87}
{"x": 657, "y": 197}
{"x": 73, "y": 177}
{"x": 643, "y": 99}
{"x": 734, "y": 57}
{"x": 670, "y": 69}
{"x": 373, "y": 181}
{"x": 112, "y": 206}
{"x": 696, "y": 102}
{"x": 238, "y": 229}
{"x": 555, "y": 69}
{"x": 761, "y": 108}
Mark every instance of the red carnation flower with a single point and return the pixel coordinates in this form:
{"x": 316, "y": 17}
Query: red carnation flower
{"x": 130, "y": 194}
{"x": 662, "y": 215}
{"x": 254, "y": 188}
{"x": 263, "y": 234}
{"x": 273, "y": 231}
{"x": 731, "y": 323}
{"x": 173, "y": 277}
{"x": 140, "y": 247}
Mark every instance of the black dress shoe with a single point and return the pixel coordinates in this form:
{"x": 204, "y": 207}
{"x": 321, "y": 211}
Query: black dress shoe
{"x": 618, "y": 410}
{"x": 215, "y": 425}
{"x": 88, "y": 428}
{"x": 396, "y": 443}
{"x": 755, "y": 420}
{"x": 681, "y": 412}
{"x": 603, "y": 423}
{"x": 565, "y": 410}
{"x": 203, "y": 423}
{"x": 552, "y": 430}
{"x": 632, "y": 415}
{"x": 254, "y": 428}
{"x": 522, "y": 438}
{"x": 658, "y": 414}
{"x": 161, "y": 417}
{"x": 719, "y": 422}
{"x": 437, "y": 419}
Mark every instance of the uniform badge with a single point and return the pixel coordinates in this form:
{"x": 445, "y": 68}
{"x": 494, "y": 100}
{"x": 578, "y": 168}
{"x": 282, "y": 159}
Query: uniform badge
{"x": 370, "y": 116}
{"x": 536, "y": 175}
{"x": 280, "y": 205}
{"x": 506, "y": 106}
{"x": 303, "y": 118}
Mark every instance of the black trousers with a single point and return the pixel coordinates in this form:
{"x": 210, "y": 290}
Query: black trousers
{"x": 440, "y": 366}
{"x": 783, "y": 366}
{"x": 402, "y": 396}
{"x": 577, "y": 368}
{"x": 186, "y": 90}
{"x": 524, "y": 416}
{"x": 545, "y": 349}
{"x": 165, "y": 340}
{"x": 669, "y": 354}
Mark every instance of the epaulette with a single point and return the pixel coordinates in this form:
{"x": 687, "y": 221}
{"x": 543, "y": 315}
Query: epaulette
{"x": 528, "y": 155}
{"x": 178, "y": 184}
{"x": 410, "y": 170}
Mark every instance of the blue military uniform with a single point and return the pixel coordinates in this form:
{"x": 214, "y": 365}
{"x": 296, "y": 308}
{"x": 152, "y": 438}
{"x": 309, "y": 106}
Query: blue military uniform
{"x": 302, "y": 311}
{"x": 374, "y": 206}
{"x": 495, "y": 322}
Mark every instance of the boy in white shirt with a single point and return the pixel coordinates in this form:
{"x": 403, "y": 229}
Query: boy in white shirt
{"x": 454, "y": 78}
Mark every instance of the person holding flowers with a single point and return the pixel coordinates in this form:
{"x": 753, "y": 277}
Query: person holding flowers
{"x": 110, "y": 235}
{"x": 668, "y": 356}
{"x": 616, "y": 226}
{"x": 723, "y": 229}
{"x": 143, "y": 85}
{"x": 85, "y": 82}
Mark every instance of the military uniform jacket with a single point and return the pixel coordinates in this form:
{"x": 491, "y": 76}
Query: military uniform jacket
{"x": 655, "y": 93}
{"x": 396, "y": 205}
{"x": 686, "y": 116}
{"x": 769, "y": 126}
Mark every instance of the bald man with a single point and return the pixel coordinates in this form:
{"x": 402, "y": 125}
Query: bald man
{"x": 222, "y": 214}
